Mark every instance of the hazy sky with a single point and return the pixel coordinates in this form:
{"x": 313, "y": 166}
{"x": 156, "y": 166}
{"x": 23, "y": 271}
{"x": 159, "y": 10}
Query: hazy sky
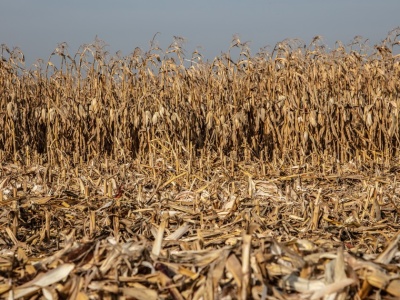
{"x": 37, "y": 26}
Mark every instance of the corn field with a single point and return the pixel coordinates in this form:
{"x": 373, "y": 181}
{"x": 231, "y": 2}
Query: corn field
{"x": 292, "y": 106}
{"x": 159, "y": 175}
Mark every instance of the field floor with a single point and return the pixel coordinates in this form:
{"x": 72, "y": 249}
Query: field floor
{"x": 218, "y": 230}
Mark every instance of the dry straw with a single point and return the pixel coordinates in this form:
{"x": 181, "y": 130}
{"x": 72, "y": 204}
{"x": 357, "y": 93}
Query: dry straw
{"x": 155, "y": 176}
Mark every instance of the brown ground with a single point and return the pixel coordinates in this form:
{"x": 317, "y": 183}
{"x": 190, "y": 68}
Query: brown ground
{"x": 224, "y": 231}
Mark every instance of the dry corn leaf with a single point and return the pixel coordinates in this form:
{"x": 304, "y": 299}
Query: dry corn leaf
{"x": 43, "y": 280}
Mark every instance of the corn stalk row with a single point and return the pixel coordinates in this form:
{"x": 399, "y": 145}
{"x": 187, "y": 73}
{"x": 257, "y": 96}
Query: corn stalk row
{"x": 293, "y": 105}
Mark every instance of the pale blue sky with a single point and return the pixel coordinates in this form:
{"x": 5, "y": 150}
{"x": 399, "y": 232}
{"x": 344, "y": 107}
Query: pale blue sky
{"x": 37, "y": 26}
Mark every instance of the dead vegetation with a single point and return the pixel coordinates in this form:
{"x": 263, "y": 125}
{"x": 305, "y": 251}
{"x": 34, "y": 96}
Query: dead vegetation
{"x": 273, "y": 176}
